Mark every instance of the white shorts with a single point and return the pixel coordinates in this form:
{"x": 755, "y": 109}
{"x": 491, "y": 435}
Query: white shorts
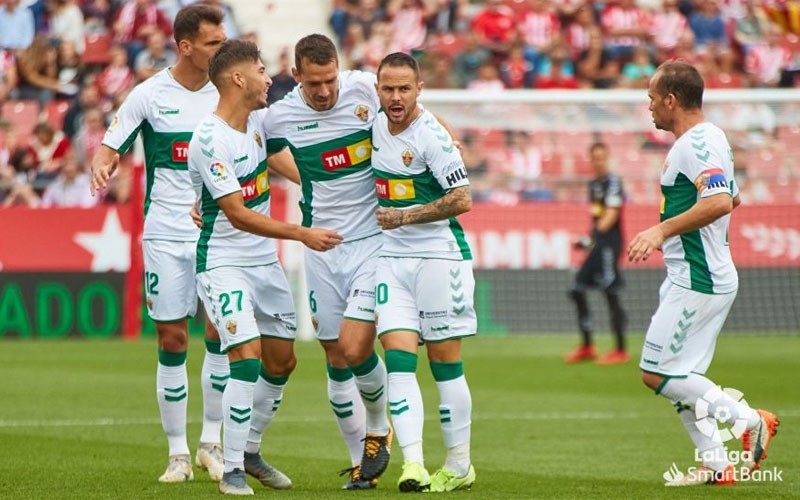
{"x": 245, "y": 303}
{"x": 432, "y": 297}
{"x": 169, "y": 279}
{"x": 683, "y": 331}
{"x": 341, "y": 284}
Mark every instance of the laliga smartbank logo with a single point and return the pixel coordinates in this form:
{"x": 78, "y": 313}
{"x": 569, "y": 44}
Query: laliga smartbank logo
{"x": 708, "y": 405}
{"x": 711, "y": 409}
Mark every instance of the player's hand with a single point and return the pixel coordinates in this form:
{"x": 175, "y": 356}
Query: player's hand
{"x": 196, "y": 217}
{"x": 320, "y": 239}
{"x": 389, "y": 218}
{"x": 644, "y": 243}
{"x": 583, "y": 243}
{"x": 101, "y": 174}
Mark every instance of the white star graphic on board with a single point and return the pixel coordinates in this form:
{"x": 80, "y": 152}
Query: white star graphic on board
{"x": 110, "y": 247}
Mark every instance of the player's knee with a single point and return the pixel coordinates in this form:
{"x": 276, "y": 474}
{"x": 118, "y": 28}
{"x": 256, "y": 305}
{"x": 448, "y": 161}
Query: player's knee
{"x": 172, "y": 337}
{"x": 652, "y": 380}
{"x": 355, "y": 353}
{"x": 282, "y": 367}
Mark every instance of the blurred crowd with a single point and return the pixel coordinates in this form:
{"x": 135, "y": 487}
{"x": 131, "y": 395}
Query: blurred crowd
{"x": 65, "y": 68}
{"x": 67, "y": 65}
{"x": 544, "y": 44}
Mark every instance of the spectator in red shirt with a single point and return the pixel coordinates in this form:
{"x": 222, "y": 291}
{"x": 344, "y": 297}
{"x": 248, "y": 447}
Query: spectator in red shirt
{"x": 50, "y": 148}
{"x": 135, "y": 21}
{"x": 765, "y": 61}
{"x": 495, "y": 25}
{"x": 117, "y": 77}
{"x": 626, "y": 26}
{"x": 668, "y": 26}
{"x": 540, "y": 29}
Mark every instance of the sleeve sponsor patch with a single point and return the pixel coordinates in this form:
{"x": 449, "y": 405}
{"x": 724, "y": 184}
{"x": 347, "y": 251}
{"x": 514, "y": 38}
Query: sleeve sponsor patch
{"x": 456, "y": 172}
{"x": 219, "y": 171}
{"x": 712, "y": 178}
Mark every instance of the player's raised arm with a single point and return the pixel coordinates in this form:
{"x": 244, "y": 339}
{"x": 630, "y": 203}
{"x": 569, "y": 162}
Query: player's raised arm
{"x": 104, "y": 164}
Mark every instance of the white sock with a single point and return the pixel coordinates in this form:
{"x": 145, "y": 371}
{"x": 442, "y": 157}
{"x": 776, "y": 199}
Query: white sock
{"x": 213, "y": 378}
{"x": 408, "y": 415}
{"x": 237, "y": 409}
{"x": 350, "y": 415}
{"x": 172, "y": 391}
{"x": 267, "y": 399}
{"x": 371, "y": 382}
{"x": 455, "y": 410}
{"x": 691, "y": 389}
{"x": 705, "y": 445}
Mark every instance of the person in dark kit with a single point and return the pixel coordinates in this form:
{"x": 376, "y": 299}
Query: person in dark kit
{"x": 600, "y": 269}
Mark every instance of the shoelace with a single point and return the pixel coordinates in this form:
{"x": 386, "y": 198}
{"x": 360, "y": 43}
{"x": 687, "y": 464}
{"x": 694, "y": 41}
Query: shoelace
{"x": 355, "y": 472}
{"x": 372, "y": 446}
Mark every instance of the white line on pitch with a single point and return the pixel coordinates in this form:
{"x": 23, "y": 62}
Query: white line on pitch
{"x": 113, "y": 422}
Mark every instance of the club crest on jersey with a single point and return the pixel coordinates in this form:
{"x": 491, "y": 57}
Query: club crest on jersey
{"x": 114, "y": 123}
{"x": 362, "y": 112}
{"x": 407, "y": 157}
{"x": 231, "y": 326}
{"x": 257, "y": 137}
{"x": 665, "y": 167}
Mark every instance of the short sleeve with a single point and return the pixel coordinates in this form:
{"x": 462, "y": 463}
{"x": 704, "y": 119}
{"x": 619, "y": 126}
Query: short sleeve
{"x": 443, "y": 158}
{"x": 276, "y": 140}
{"x": 127, "y": 122}
{"x": 214, "y": 164}
{"x": 705, "y": 167}
{"x": 614, "y": 194}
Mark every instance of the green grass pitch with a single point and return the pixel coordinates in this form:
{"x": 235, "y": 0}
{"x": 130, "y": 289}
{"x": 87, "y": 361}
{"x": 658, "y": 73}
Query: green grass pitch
{"x": 78, "y": 419}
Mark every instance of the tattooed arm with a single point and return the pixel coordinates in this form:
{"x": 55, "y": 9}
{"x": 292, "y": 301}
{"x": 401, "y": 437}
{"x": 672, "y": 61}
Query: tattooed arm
{"x": 455, "y": 202}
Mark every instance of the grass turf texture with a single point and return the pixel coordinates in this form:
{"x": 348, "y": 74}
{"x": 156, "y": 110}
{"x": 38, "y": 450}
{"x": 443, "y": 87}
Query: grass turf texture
{"x": 78, "y": 419}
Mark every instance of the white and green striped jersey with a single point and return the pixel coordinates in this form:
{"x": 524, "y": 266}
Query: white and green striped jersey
{"x": 700, "y": 164}
{"x": 165, "y": 112}
{"x": 418, "y": 166}
{"x": 332, "y": 150}
{"x": 223, "y": 160}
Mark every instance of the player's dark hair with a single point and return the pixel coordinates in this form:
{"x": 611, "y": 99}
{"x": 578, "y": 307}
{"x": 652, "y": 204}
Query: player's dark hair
{"x": 229, "y": 54}
{"x": 188, "y": 20}
{"x": 316, "y": 49}
{"x": 398, "y": 60}
{"x": 683, "y": 81}
{"x": 598, "y": 145}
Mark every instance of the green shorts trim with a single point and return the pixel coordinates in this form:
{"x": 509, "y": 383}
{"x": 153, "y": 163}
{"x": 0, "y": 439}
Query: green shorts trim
{"x": 398, "y": 330}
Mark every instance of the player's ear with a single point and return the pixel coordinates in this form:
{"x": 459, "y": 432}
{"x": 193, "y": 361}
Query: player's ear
{"x": 185, "y": 47}
{"x": 296, "y": 75}
{"x": 420, "y": 84}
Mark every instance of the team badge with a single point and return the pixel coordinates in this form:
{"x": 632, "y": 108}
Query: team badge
{"x": 257, "y": 137}
{"x": 149, "y": 303}
{"x": 315, "y": 324}
{"x": 407, "y": 157}
{"x": 665, "y": 167}
{"x": 231, "y": 326}
{"x": 362, "y": 112}
{"x": 114, "y": 123}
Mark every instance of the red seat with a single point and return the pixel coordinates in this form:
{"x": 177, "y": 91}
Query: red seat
{"x": 55, "y": 113}
{"x": 23, "y": 116}
{"x": 97, "y": 48}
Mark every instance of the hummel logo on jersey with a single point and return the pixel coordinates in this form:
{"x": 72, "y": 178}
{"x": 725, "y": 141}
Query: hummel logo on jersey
{"x": 239, "y": 160}
{"x": 168, "y": 111}
{"x": 310, "y": 126}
